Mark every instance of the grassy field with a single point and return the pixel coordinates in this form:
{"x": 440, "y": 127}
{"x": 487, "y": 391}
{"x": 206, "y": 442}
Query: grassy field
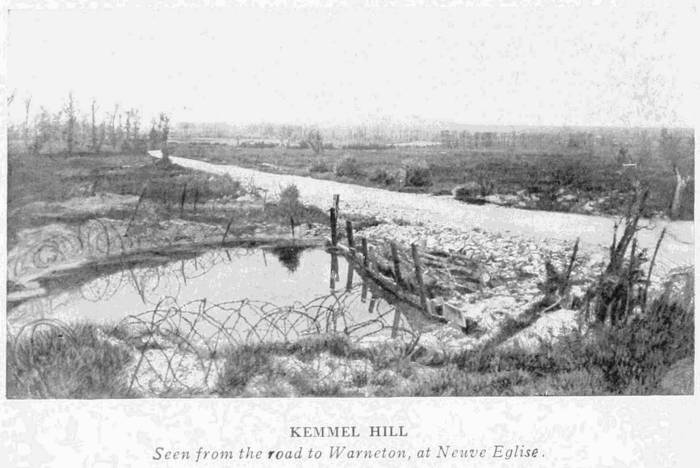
{"x": 170, "y": 192}
{"x": 437, "y": 170}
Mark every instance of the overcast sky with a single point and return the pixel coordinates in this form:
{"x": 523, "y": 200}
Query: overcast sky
{"x": 535, "y": 66}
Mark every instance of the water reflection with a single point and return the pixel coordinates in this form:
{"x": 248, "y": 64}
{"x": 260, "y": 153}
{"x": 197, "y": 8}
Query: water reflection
{"x": 288, "y": 256}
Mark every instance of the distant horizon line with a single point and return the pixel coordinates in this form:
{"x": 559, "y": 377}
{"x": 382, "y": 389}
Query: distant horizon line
{"x": 441, "y": 124}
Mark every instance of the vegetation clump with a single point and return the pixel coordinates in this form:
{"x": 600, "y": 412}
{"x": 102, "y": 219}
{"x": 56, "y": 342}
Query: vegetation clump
{"x": 349, "y": 167}
{"x": 418, "y": 174}
{"x": 67, "y": 362}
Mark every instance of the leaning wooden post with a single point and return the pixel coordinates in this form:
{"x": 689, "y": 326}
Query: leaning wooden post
{"x": 399, "y": 282}
{"x": 365, "y": 265}
{"x": 397, "y": 265}
{"x": 349, "y": 234}
{"x": 365, "y": 255}
{"x": 334, "y": 227}
{"x": 419, "y": 278}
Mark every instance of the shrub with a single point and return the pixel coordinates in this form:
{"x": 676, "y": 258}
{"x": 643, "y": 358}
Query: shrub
{"x": 349, "y": 167}
{"x": 289, "y": 200}
{"x": 382, "y": 176}
{"x": 417, "y": 174}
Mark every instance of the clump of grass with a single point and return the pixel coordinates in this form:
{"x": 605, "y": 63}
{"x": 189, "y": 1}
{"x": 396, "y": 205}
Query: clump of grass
{"x": 319, "y": 166}
{"x": 72, "y": 363}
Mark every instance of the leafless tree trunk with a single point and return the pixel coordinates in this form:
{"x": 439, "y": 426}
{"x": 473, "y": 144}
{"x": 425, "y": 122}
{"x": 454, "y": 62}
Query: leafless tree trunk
{"x": 671, "y": 150}
{"x": 25, "y": 129}
{"x": 315, "y": 141}
{"x": 70, "y": 122}
{"x": 681, "y": 182}
{"x": 164, "y": 124}
{"x": 93, "y": 127}
{"x": 112, "y": 127}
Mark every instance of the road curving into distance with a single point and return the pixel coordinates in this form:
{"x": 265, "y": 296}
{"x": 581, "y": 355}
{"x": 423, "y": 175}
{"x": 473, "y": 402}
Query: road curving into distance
{"x": 594, "y": 231}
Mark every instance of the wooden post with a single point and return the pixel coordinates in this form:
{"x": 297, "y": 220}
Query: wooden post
{"x": 334, "y": 227}
{"x": 365, "y": 255}
{"x": 395, "y": 325}
{"x": 182, "y": 199}
{"x": 291, "y": 223}
{"x": 372, "y": 301}
{"x": 334, "y": 270}
{"x": 336, "y": 204}
{"x": 397, "y": 267}
{"x": 363, "y": 296}
{"x": 419, "y": 278}
{"x": 348, "y": 232}
{"x": 350, "y": 275}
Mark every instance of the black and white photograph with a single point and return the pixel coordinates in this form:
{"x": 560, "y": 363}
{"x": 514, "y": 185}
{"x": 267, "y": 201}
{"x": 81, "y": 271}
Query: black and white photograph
{"x": 277, "y": 201}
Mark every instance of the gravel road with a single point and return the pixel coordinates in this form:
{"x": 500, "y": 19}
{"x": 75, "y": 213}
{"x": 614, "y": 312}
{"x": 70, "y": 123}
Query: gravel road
{"x": 595, "y": 232}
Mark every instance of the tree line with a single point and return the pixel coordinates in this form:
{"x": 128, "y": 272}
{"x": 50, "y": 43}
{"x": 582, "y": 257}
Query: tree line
{"x": 71, "y": 130}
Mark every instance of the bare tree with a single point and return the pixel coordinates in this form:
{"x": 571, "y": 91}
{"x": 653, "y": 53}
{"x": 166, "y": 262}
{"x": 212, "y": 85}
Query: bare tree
{"x": 127, "y": 129}
{"x": 25, "y": 129}
{"x": 164, "y": 125}
{"x": 71, "y": 118}
{"x": 136, "y": 123}
{"x": 102, "y": 134}
{"x": 119, "y": 132}
{"x": 112, "y": 127}
{"x": 153, "y": 135}
{"x": 315, "y": 141}
{"x": 671, "y": 150}
{"x": 93, "y": 126}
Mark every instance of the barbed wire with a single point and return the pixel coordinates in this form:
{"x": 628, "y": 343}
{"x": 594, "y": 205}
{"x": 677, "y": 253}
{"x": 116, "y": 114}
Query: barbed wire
{"x": 179, "y": 349}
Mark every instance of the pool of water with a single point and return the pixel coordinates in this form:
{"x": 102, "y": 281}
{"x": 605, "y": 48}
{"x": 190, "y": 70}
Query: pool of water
{"x": 236, "y": 295}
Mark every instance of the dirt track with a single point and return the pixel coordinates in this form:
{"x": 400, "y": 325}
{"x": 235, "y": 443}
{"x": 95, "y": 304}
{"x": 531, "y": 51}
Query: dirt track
{"x": 595, "y": 232}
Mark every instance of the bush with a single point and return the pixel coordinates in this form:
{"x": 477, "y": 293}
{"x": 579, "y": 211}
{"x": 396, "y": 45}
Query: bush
{"x": 382, "y": 177}
{"x": 349, "y": 167}
{"x": 417, "y": 174}
{"x": 289, "y": 200}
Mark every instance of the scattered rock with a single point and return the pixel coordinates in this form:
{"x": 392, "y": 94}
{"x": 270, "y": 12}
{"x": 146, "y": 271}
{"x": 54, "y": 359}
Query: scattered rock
{"x": 546, "y": 330}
